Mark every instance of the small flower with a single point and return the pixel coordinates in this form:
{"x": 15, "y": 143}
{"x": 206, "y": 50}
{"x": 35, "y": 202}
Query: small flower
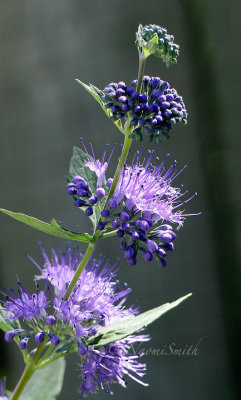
{"x": 33, "y": 309}
{"x": 111, "y": 364}
{"x": 148, "y": 190}
{"x": 95, "y": 165}
{"x": 25, "y": 305}
{"x": 152, "y": 39}
{"x": 154, "y": 111}
{"x": 10, "y": 335}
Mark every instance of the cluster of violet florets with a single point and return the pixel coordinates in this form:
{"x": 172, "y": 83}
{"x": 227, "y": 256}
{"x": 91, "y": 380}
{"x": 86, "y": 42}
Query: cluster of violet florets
{"x": 94, "y": 303}
{"x": 154, "y": 111}
{"x": 142, "y": 208}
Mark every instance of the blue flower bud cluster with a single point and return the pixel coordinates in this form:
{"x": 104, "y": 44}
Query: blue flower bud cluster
{"x": 165, "y": 46}
{"x": 154, "y": 111}
{"x": 82, "y": 194}
{"x": 137, "y": 234}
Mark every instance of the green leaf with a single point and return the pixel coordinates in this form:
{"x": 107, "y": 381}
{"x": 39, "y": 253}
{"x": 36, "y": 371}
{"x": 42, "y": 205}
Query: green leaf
{"x": 53, "y": 228}
{"x": 130, "y": 325}
{"x": 97, "y": 94}
{"x": 77, "y": 167}
{"x": 66, "y": 348}
{"x": 45, "y": 383}
{"x": 7, "y": 324}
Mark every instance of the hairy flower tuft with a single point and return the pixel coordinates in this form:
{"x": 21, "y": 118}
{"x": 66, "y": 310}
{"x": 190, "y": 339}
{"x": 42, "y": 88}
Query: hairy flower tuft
{"x": 111, "y": 364}
{"x": 96, "y": 301}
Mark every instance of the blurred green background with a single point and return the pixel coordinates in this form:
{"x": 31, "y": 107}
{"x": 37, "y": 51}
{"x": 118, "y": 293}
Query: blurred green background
{"x": 45, "y": 45}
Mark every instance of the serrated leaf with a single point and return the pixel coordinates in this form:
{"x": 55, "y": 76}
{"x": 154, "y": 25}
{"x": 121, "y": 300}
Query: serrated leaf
{"x": 45, "y": 383}
{"x": 97, "y": 94}
{"x": 53, "y": 228}
{"x": 77, "y": 167}
{"x": 130, "y": 325}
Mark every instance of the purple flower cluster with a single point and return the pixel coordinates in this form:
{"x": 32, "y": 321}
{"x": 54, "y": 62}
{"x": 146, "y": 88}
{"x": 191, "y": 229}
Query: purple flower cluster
{"x": 110, "y": 364}
{"x": 154, "y": 111}
{"x": 95, "y": 302}
{"x": 146, "y": 197}
{"x": 143, "y": 207}
{"x": 82, "y": 194}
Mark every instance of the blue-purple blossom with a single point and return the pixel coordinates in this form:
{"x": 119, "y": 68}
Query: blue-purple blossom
{"x": 95, "y": 291}
{"x": 96, "y": 165}
{"x": 145, "y": 207}
{"x": 148, "y": 205}
{"x": 96, "y": 301}
{"x": 25, "y": 305}
{"x": 112, "y": 364}
{"x": 154, "y": 111}
{"x": 149, "y": 190}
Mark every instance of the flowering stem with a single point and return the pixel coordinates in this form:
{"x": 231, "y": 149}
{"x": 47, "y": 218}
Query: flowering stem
{"x": 108, "y": 234}
{"x": 84, "y": 261}
{"x": 122, "y": 160}
{"x": 142, "y": 61}
{"x": 28, "y": 372}
{"x": 128, "y": 128}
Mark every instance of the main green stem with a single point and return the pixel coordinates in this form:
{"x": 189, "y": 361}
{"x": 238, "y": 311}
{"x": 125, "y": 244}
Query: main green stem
{"x": 83, "y": 263}
{"x": 28, "y": 372}
{"x": 128, "y": 130}
{"x": 91, "y": 246}
{"x": 142, "y": 61}
{"x": 121, "y": 163}
{"x": 122, "y": 160}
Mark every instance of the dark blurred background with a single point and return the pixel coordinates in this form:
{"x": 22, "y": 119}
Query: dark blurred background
{"x": 45, "y": 45}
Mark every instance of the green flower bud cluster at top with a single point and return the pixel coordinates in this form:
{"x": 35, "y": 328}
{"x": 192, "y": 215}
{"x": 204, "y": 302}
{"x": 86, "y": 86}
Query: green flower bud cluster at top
{"x": 154, "y": 40}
